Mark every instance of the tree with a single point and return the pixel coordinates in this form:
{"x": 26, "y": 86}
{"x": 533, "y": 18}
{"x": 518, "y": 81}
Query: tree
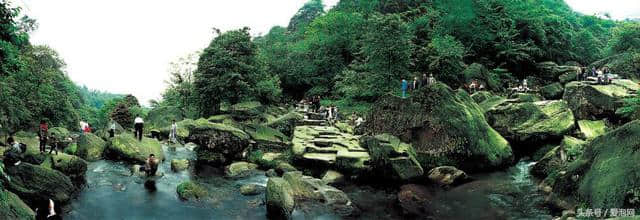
{"x": 306, "y": 15}
{"x": 226, "y": 71}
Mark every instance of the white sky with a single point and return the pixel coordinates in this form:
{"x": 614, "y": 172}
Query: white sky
{"x": 125, "y": 46}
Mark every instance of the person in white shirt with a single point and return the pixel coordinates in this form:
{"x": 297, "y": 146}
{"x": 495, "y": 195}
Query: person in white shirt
{"x": 359, "y": 121}
{"x": 174, "y": 131}
{"x": 138, "y": 125}
{"x": 112, "y": 129}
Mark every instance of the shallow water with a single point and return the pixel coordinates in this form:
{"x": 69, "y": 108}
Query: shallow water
{"x": 113, "y": 193}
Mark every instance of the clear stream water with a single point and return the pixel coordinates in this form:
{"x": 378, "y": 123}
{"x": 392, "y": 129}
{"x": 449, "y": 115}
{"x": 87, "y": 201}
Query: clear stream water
{"x": 113, "y": 193}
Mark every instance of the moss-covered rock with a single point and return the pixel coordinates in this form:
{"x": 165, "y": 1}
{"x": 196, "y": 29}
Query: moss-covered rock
{"x": 60, "y": 133}
{"x": 559, "y": 157}
{"x": 267, "y": 138}
{"x": 313, "y": 190}
{"x": 90, "y": 147}
{"x": 594, "y": 102}
{"x": 605, "y": 175}
{"x": 251, "y": 189}
{"x": 35, "y": 184}
{"x": 178, "y": 165}
{"x": 279, "y": 198}
{"x": 532, "y": 122}
{"x": 332, "y": 177}
{"x": 447, "y": 176}
{"x": 285, "y": 123}
{"x": 190, "y": 190}
{"x": 72, "y": 166}
{"x": 481, "y": 96}
{"x": 551, "y": 71}
{"x": 445, "y": 127}
{"x": 525, "y": 97}
{"x": 126, "y": 147}
{"x": 12, "y": 207}
{"x": 218, "y": 143}
{"x": 592, "y": 129}
{"x": 552, "y": 91}
{"x": 246, "y": 110}
{"x": 240, "y": 169}
{"x": 390, "y": 157}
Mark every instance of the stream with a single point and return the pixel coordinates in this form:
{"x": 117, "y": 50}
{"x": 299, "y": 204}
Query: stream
{"x": 113, "y": 193}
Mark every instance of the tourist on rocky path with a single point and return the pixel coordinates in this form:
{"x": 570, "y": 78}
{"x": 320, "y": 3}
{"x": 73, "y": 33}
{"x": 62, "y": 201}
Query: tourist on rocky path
{"x": 87, "y": 128}
{"x": 359, "y": 121}
{"x": 138, "y": 126}
{"x": 174, "y": 131}
{"x": 151, "y": 165}
{"x": 112, "y": 129}
{"x": 424, "y": 81}
{"x": 42, "y": 135}
{"x": 54, "y": 143}
{"x": 415, "y": 84}
{"x": 404, "y": 88}
{"x": 83, "y": 125}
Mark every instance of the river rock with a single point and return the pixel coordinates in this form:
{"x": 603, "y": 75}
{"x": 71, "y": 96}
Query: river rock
{"x": 447, "y": 176}
{"x": 525, "y": 97}
{"x": 90, "y": 147}
{"x": 605, "y": 175}
{"x": 267, "y": 138}
{"x": 12, "y": 207}
{"x": 594, "y": 102}
{"x": 307, "y": 188}
{"x": 251, "y": 189}
{"x": 279, "y": 198}
{"x": 333, "y": 178}
{"x": 285, "y": 123}
{"x": 390, "y": 157}
{"x": 559, "y": 157}
{"x": 246, "y": 110}
{"x": 415, "y": 200}
{"x": 592, "y": 129}
{"x": 445, "y": 127}
{"x": 36, "y": 184}
{"x": 240, "y": 169}
{"x": 552, "y": 91}
{"x": 126, "y": 147}
{"x": 532, "y": 121}
{"x": 72, "y": 166}
{"x": 551, "y": 71}
{"x": 271, "y": 173}
{"x": 190, "y": 190}
{"x": 178, "y": 165}
{"x": 219, "y": 144}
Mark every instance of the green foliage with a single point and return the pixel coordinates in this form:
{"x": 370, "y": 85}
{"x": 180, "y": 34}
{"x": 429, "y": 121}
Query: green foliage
{"x": 306, "y": 15}
{"x": 626, "y": 38}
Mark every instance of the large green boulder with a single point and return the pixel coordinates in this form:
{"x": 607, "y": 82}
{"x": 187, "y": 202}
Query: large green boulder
{"x": 12, "y": 207}
{"x": 72, "y": 166}
{"x": 90, "y": 147}
{"x": 160, "y": 117}
{"x": 126, "y": 147}
{"x": 551, "y": 71}
{"x": 60, "y": 133}
{"x": 219, "y": 143}
{"x": 267, "y": 138}
{"x": 445, "y": 127}
{"x": 532, "y": 121}
{"x": 284, "y": 123}
{"x": 190, "y": 191}
{"x": 552, "y": 91}
{"x": 390, "y": 157}
{"x": 592, "y": 129}
{"x": 279, "y": 198}
{"x": 246, "y": 110}
{"x": 240, "y": 169}
{"x": 36, "y": 184}
{"x": 559, "y": 157}
{"x": 606, "y": 174}
{"x": 594, "y": 102}
{"x": 525, "y": 97}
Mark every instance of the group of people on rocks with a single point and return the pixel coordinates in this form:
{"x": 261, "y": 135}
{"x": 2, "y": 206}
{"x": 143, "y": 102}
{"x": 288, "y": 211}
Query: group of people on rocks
{"x": 416, "y": 84}
{"x": 601, "y": 76}
{"x": 474, "y": 86}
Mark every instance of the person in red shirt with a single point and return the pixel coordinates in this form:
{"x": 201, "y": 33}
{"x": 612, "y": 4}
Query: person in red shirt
{"x": 42, "y": 134}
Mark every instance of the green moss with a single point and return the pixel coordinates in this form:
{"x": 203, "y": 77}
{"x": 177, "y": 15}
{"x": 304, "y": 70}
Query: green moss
{"x": 12, "y": 207}
{"x": 491, "y": 102}
{"x": 60, "y": 133}
{"x": 526, "y": 97}
{"x": 190, "y": 190}
{"x": 279, "y": 198}
{"x": 592, "y": 129}
{"x": 594, "y": 101}
{"x": 552, "y": 91}
{"x": 90, "y": 147}
{"x": 71, "y": 149}
{"x": 128, "y": 148}
{"x": 261, "y": 133}
{"x": 35, "y": 183}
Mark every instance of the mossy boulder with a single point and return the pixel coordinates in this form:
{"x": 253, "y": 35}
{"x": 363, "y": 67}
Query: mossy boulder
{"x": 486, "y": 101}
{"x": 445, "y": 127}
{"x": 60, "y": 133}
{"x": 551, "y": 71}
{"x": 525, "y": 97}
{"x": 559, "y": 157}
{"x": 126, "y": 147}
{"x": 12, "y": 207}
{"x": 72, "y": 166}
{"x": 240, "y": 169}
{"x": 592, "y": 129}
{"x": 312, "y": 190}
{"x": 36, "y": 184}
{"x": 279, "y": 198}
{"x": 552, "y": 91}
{"x": 606, "y": 174}
{"x": 246, "y": 110}
{"x": 218, "y": 143}
{"x": 532, "y": 121}
{"x": 481, "y": 96}
{"x": 178, "y": 165}
{"x": 447, "y": 176}
{"x": 267, "y": 138}
{"x": 593, "y": 102}
{"x": 90, "y": 147}
{"x": 285, "y": 123}
{"x": 251, "y": 189}
{"x": 160, "y": 117}
{"x": 390, "y": 157}
{"x": 190, "y": 191}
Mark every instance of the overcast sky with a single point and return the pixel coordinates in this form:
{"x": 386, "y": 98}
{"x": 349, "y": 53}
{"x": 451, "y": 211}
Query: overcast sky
{"x": 125, "y": 46}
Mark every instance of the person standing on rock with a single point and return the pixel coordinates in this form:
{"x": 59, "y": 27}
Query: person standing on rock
{"x": 42, "y": 135}
{"x": 54, "y": 144}
{"x": 112, "y": 129}
{"x": 174, "y": 131}
{"x": 405, "y": 85}
{"x": 138, "y": 126}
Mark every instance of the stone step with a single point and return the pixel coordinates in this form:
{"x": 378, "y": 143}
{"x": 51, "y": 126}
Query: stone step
{"x": 328, "y": 158}
{"x": 312, "y": 122}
